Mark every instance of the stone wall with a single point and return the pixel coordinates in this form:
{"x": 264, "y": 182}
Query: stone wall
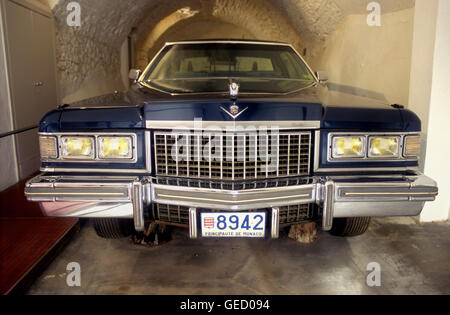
{"x": 89, "y": 57}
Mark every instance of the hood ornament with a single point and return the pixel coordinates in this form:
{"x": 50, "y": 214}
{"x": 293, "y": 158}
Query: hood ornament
{"x": 234, "y": 111}
{"x": 234, "y": 91}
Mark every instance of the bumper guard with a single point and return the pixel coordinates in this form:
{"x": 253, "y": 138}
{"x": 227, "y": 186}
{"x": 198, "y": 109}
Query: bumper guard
{"x": 128, "y": 197}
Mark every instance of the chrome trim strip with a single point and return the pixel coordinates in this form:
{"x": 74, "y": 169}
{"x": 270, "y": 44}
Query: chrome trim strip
{"x": 328, "y": 206}
{"x": 138, "y": 207}
{"x": 144, "y": 73}
{"x": 233, "y": 201}
{"x": 75, "y": 194}
{"x": 53, "y": 189}
{"x": 275, "y": 230}
{"x": 366, "y": 169}
{"x": 385, "y": 191}
{"x": 193, "y": 231}
{"x": 236, "y": 126}
{"x": 316, "y": 150}
{"x": 229, "y": 200}
{"x": 93, "y": 170}
{"x": 390, "y": 193}
{"x": 225, "y": 41}
{"x": 147, "y": 193}
{"x": 148, "y": 151}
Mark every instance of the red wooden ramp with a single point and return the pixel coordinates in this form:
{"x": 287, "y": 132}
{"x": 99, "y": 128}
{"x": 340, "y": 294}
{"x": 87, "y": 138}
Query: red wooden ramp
{"x": 28, "y": 240}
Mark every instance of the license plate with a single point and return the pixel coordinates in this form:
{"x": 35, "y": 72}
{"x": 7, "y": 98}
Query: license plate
{"x": 234, "y": 224}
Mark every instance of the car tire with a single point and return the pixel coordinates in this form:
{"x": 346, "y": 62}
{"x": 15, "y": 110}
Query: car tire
{"x": 350, "y": 226}
{"x": 113, "y": 228}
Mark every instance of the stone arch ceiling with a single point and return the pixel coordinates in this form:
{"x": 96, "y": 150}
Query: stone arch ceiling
{"x": 92, "y": 50}
{"x": 110, "y": 21}
{"x": 257, "y": 19}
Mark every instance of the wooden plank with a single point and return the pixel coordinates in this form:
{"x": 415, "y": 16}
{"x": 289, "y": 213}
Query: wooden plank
{"x": 26, "y": 245}
{"x": 28, "y": 240}
{"x": 13, "y": 203}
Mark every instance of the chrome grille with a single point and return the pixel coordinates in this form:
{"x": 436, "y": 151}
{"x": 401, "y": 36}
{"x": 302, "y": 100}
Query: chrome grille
{"x": 232, "y": 185}
{"x": 180, "y": 215}
{"x": 235, "y": 156}
{"x": 296, "y": 213}
{"x": 172, "y": 214}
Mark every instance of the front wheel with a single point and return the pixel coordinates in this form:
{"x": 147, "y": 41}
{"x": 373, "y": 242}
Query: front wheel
{"x": 350, "y": 226}
{"x": 113, "y": 228}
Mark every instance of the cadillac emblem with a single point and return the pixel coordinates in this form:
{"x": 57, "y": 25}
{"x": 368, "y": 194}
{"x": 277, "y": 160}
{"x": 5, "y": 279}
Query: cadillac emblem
{"x": 234, "y": 109}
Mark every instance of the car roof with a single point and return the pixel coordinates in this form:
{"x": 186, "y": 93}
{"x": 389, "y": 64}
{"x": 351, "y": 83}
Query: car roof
{"x": 226, "y": 40}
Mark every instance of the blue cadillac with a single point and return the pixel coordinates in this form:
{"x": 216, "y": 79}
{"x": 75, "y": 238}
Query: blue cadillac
{"x": 231, "y": 138}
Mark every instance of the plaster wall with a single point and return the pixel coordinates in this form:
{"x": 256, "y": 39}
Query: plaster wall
{"x": 438, "y": 127}
{"x": 374, "y": 58}
{"x": 8, "y": 165}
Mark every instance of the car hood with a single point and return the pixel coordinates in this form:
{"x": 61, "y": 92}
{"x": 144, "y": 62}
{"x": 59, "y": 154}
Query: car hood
{"x": 333, "y": 109}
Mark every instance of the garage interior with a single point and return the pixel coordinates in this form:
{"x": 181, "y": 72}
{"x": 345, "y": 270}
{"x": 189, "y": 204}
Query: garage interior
{"x": 404, "y": 61}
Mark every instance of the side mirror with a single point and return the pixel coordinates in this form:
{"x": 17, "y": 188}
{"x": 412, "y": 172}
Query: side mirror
{"x": 134, "y": 74}
{"x": 322, "y": 76}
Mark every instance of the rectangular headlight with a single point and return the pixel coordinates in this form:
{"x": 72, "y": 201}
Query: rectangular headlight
{"x": 115, "y": 148}
{"x": 48, "y": 147}
{"x": 77, "y": 148}
{"x": 412, "y": 146}
{"x": 349, "y": 147}
{"x": 384, "y": 147}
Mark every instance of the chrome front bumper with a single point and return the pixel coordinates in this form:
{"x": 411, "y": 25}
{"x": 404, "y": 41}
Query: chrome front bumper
{"x": 128, "y": 197}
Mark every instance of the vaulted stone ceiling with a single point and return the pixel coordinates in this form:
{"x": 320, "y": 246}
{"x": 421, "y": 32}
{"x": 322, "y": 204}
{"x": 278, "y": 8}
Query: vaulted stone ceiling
{"x": 111, "y": 20}
{"x": 92, "y": 50}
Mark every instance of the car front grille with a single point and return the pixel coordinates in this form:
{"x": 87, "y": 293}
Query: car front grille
{"x": 232, "y": 156}
{"x": 180, "y": 215}
{"x": 231, "y": 185}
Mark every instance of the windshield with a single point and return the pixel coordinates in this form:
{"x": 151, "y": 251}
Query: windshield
{"x": 210, "y": 67}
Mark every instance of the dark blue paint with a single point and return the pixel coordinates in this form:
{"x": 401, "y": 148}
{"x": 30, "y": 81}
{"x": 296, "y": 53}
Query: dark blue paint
{"x": 368, "y": 119}
{"x": 50, "y": 122}
{"x": 348, "y": 118}
{"x": 301, "y": 108}
{"x": 411, "y": 122}
{"x": 211, "y": 111}
{"x": 102, "y": 118}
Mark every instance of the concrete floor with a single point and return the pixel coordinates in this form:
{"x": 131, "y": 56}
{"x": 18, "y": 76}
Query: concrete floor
{"x": 414, "y": 259}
